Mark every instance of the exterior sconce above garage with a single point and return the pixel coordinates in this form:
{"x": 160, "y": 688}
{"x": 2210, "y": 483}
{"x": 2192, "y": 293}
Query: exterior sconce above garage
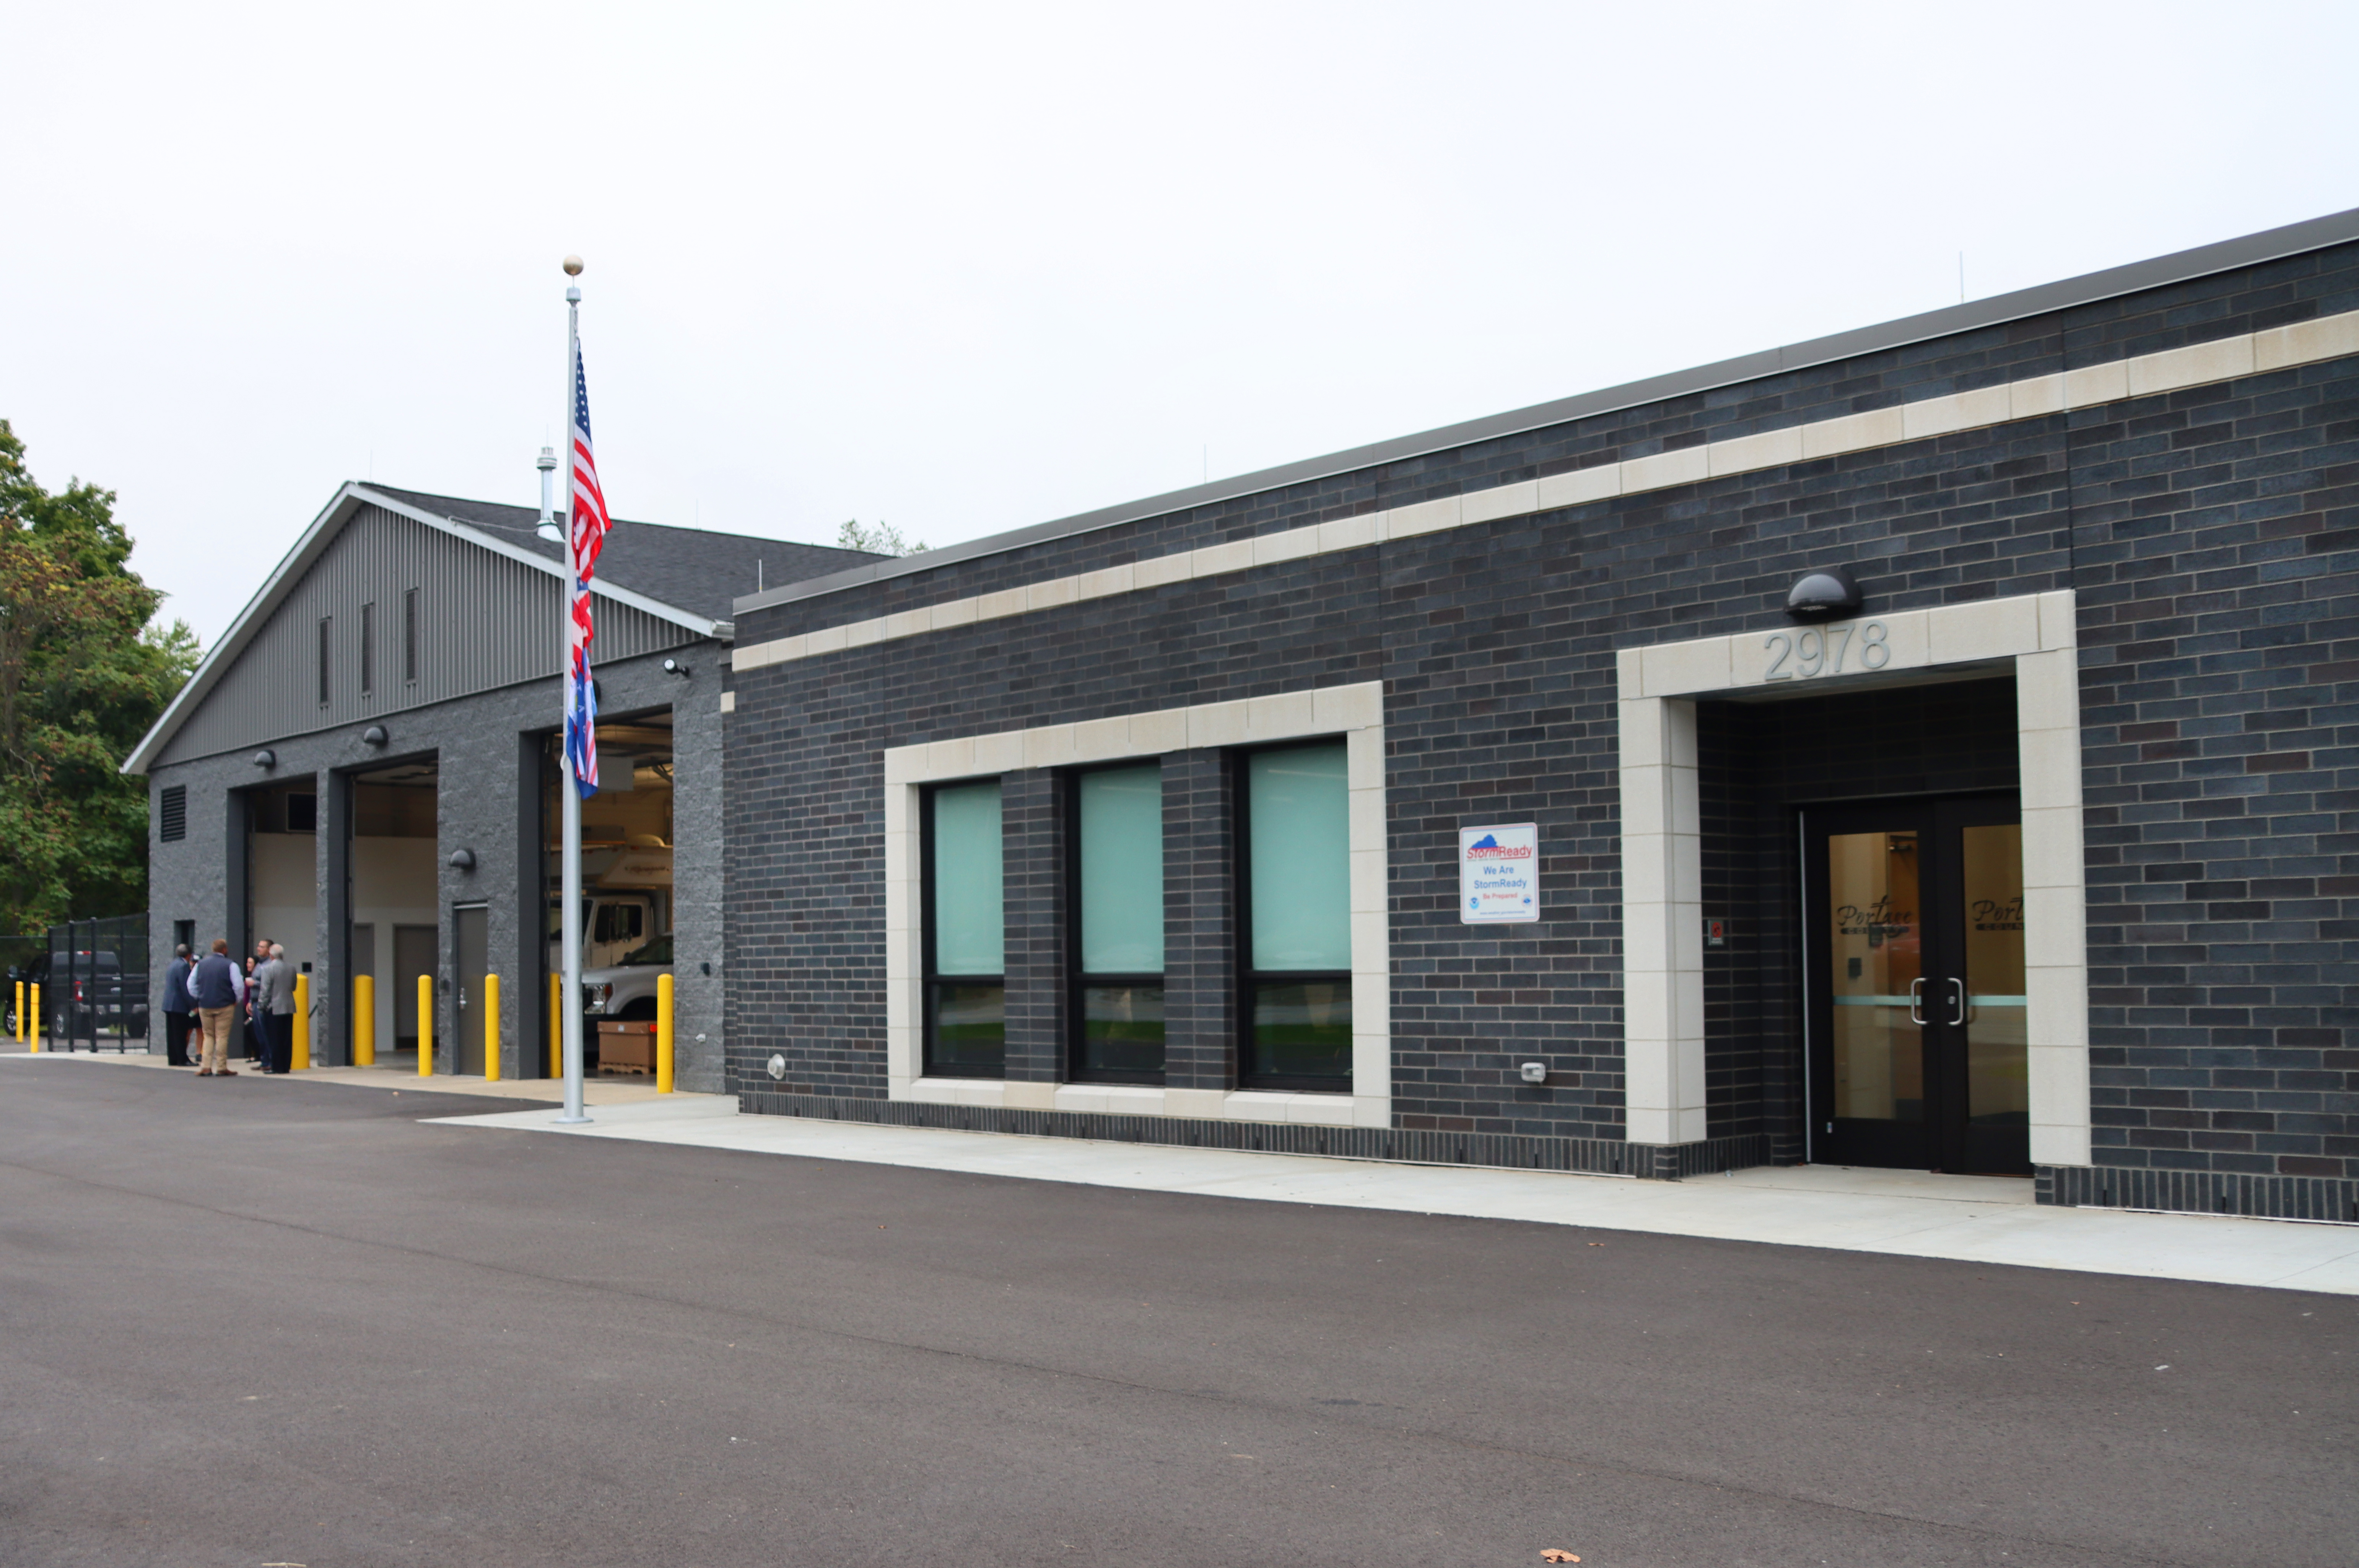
{"x": 374, "y": 736}
{"x": 462, "y": 860}
{"x": 266, "y": 757}
{"x": 1825, "y": 595}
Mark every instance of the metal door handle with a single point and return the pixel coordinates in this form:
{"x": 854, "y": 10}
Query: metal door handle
{"x": 1958, "y": 999}
{"x": 1916, "y": 1000}
{"x": 463, "y": 996}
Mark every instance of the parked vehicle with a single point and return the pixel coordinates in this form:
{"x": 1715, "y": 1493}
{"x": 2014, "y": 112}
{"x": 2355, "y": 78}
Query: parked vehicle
{"x": 84, "y": 994}
{"x": 621, "y": 992}
{"x": 613, "y": 924}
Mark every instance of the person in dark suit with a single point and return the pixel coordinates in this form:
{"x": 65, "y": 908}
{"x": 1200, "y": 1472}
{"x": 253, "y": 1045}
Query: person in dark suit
{"x": 179, "y": 1019}
{"x": 257, "y": 1050}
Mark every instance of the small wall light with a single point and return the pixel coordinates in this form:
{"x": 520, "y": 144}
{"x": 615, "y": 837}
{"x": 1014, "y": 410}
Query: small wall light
{"x": 778, "y": 1065}
{"x": 1535, "y": 1072}
{"x": 375, "y": 735}
{"x": 462, "y": 860}
{"x": 266, "y": 757}
{"x": 1823, "y": 595}
{"x": 674, "y": 667}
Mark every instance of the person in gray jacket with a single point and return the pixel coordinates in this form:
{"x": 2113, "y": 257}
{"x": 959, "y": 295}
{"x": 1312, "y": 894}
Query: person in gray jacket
{"x": 274, "y": 1010}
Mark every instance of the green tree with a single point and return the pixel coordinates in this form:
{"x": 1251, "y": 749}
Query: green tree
{"x": 82, "y": 675}
{"x": 881, "y": 539}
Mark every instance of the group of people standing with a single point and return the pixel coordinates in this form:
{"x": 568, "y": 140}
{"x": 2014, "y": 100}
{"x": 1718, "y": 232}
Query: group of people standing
{"x": 215, "y": 995}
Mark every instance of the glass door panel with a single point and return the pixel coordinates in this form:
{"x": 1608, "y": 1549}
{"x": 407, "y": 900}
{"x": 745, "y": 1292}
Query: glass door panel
{"x": 1998, "y": 1087}
{"x": 1874, "y": 947}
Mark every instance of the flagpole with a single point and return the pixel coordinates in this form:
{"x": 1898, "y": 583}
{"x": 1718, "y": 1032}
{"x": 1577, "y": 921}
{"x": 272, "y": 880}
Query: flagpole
{"x": 571, "y": 919}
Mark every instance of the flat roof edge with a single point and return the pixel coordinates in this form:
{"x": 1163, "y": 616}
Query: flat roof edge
{"x": 2132, "y": 278}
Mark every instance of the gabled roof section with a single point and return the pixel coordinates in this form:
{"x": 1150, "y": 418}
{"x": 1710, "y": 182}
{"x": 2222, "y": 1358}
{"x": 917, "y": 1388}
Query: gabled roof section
{"x": 697, "y": 569}
{"x": 683, "y": 576}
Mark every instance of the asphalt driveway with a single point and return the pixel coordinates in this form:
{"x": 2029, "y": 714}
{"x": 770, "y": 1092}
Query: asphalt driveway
{"x": 255, "y": 1321}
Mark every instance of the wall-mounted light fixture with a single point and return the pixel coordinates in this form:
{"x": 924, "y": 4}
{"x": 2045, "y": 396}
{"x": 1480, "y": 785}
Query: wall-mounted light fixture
{"x": 375, "y": 735}
{"x": 1823, "y": 595}
{"x": 462, "y": 860}
{"x": 674, "y": 667}
{"x": 266, "y": 757}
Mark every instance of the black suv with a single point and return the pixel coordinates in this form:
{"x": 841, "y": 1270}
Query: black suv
{"x": 83, "y": 994}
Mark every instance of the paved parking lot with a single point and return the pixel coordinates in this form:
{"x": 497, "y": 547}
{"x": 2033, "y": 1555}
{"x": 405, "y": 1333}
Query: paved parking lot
{"x": 254, "y": 1322}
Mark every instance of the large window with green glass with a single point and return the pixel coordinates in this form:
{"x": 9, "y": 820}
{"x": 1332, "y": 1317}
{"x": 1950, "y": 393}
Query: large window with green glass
{"x": 1295, "y": 876}
{"x": 965, "y": 933}
{"x": 1117, "y": 882}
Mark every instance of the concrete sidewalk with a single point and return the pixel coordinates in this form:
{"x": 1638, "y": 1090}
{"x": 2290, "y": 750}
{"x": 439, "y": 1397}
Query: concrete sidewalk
{"x": 1969, "y": 1218}
{"x": 616, "y": 1091}
{"x": 1974, "y": 1219}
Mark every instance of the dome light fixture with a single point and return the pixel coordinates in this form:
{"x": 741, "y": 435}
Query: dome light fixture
{"x": 1824, "y": 594}
{"x": 266, "y": 757}
{"x": 375, "y": 735}
{"x": 462, "y": 860}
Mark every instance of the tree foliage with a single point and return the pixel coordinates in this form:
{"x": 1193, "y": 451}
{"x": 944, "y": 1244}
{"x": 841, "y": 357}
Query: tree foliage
{"x": 83, "y": 676}
{"x": 877, "y": 538}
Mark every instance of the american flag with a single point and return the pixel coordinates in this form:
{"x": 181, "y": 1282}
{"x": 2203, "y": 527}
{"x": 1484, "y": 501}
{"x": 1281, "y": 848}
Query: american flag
{"x": 586, "y": 537}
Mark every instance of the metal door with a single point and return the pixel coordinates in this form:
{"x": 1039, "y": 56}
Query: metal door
{"x": 474, "y": 940}
{"x": 1914, "y": 977}
{"x": 413, "y": 955}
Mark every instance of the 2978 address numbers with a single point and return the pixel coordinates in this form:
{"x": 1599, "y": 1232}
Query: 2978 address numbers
{"x": 1816, "y": 652}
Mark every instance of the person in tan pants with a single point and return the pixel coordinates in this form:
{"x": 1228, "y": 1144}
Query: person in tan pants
{"x": 217, "y": 987}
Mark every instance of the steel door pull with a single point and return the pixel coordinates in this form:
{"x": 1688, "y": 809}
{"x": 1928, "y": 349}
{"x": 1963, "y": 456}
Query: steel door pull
{"x": 1958, "y": 999}
{"x": 1916, "y": 1000}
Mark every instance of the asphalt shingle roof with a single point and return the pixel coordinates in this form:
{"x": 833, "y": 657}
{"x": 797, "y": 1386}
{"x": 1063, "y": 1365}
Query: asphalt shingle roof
{"x": 695, "y": 569}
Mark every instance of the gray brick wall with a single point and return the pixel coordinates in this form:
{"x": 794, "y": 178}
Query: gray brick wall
{"x": 484, "y": 803}
{"x": 2208, "y": 545}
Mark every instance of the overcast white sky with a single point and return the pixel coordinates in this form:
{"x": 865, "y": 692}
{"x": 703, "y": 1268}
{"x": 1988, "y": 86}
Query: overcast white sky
{"x": 967, "y": 268}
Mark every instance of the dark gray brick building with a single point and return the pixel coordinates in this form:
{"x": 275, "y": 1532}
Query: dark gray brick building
{"x": 362, "y": 769}
{"x": 2036, "y": 859}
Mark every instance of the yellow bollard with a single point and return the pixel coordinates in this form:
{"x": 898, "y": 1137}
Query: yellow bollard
{"x": 20, "y": 1012}
{"x": 663, "y": 1034}
{"x": 364, "y": 1020}
{"x": 36, "y": 1019}
{"x": 299, "y": 1057}
{"x": 490, "y": 1029}
{"x": 426, "y": 1026}
{"x": 556, "y": 1026}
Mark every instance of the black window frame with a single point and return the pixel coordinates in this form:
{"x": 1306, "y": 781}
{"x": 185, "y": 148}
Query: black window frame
{"x": 368, "y": 648}
{"x": 930, "y": 980}
{"x": 1248, "y": 978}
{"x": 326, "y": 663}
{"x": 409, "y": 637}
{"x": 1076, "y": 982}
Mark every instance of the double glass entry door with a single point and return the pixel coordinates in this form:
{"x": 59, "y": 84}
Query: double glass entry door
{"x": 1914, "y": 963}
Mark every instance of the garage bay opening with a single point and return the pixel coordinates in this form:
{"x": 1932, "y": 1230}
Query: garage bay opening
{"x": 626, "y": 890}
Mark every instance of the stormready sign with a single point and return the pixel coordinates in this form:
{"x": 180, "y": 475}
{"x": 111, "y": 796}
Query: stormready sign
{"x": 1499, "y": 874}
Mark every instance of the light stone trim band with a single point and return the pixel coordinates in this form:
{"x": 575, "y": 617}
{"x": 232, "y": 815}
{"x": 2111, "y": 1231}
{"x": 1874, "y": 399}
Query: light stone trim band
{"x": 2278, "y": 348}
{"x": 1354, "y": 713}
{"x": 1662, "y": 870}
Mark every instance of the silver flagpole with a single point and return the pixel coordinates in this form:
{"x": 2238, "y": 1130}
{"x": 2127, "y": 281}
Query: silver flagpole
{"x": 572, "y": 809}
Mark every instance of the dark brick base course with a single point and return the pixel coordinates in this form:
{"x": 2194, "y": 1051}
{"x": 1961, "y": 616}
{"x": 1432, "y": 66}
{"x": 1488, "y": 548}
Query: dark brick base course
{"x": 1596, "y": 1156}
{"x": 2199, "y": 1192}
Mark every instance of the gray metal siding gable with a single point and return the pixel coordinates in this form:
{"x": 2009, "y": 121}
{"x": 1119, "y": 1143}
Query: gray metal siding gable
{"x": 483, "y": 621}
